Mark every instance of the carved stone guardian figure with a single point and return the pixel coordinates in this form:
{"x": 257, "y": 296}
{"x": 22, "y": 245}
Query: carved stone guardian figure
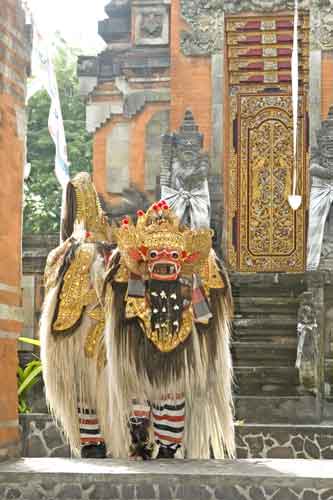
{"x": 307, "y": 349}
{"x": 321, "y": 197}
{"x": 184, "y": 173}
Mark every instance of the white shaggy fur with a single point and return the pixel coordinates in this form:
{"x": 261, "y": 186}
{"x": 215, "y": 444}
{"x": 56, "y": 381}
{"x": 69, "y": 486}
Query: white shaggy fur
{"x": 70, "y": 377}
{"x": 208, "y": 393}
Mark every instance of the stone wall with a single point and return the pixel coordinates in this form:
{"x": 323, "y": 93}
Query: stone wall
{"x": 14, "y": 64}
{"x": 42, "y": 438}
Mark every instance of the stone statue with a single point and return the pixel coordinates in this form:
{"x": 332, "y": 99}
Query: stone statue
{"x": 321, "y": 197}
{"x": 307, "y": 349}
{"x": 184, "y": 173}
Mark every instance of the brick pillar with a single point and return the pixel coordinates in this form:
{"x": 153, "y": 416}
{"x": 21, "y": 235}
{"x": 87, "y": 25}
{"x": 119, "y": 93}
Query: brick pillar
{"x": 191, "y": 83}
{"x": 14, "y": 59}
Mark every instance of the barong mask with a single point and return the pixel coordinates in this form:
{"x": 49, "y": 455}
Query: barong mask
{"x": 169, "y": 270}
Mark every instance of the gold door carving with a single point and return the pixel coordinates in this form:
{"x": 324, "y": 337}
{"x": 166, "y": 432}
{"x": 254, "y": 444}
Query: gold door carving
{"x": 265, "y": 234}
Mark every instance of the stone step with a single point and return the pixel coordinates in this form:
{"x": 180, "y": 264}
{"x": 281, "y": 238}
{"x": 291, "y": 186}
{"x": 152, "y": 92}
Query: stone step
{"x": 300, "y": 409}
{"x": 32, "y": 479}
{"x": 247, "y": 353}
{"x": 274, "y": 380}
{"x": 275, "y": 335}
{"x": 277, "y": 322}
{"x": 289, "y": 284}
{"x": 250, "y": 305}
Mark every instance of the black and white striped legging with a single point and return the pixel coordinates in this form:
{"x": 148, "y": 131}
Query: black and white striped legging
{"x": 167, "y": 416}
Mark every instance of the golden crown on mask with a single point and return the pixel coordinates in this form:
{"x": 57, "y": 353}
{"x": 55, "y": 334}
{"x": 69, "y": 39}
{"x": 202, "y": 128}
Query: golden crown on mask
{"x": 159, "y": 228}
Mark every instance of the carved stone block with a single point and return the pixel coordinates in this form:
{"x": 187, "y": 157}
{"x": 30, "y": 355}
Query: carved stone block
{"x": 151, "y": 25}
{"x": 118, "y": 158}
{"x": 157, "y": 126}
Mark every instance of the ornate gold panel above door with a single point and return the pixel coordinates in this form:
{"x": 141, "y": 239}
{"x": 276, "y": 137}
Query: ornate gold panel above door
{"x": 265, "y": 234}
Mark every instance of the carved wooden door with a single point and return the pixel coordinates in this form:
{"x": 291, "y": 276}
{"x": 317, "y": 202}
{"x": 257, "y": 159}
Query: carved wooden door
{"x": 264, "y": 233}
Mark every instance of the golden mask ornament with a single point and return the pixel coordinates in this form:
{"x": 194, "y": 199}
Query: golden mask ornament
{"x": 89, "y": 213}
{"x": 159, "y": 255}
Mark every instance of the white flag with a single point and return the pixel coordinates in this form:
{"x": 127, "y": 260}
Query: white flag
{"x": 55, "y": 122}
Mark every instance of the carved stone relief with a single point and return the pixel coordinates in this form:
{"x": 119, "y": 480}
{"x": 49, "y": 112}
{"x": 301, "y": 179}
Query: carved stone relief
{"x": 151, "y": 25}
{"x": 205, "y": 19}
{"x": 322, "y": 24}
{"x": 207, "y": 22}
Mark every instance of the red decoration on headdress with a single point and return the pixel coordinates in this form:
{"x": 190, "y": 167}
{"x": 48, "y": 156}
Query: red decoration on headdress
{"x": 155, "y": 207}
{"x": 125, "y": 221}
{"x": 135, "y": 254}
{"x": 88, "y": 234}
{"x": 193, "y": 257}
{"x": 143, "y": 250}
{"x": 140, "y": 213}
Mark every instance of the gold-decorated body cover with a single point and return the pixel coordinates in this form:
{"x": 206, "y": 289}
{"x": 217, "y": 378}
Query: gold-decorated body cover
{"x": 169, "y": 270}
{"x": 70, "y": 263}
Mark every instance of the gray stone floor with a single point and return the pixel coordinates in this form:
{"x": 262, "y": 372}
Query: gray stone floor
{"x": 57, "y": 478}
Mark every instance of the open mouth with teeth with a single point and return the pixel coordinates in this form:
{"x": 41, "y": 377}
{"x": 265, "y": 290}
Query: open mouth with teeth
{"x": 164, "y": 270}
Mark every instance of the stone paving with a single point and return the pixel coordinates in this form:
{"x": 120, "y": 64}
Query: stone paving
{"x": 56, "y": 478}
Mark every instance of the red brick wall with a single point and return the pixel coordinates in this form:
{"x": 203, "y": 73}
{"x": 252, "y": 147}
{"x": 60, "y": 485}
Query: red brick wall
{"x": 136, "y": 153}
{"x": 191, "y": 85}
{"x": 326, "y": 82}
{"x": 14, "y": 58}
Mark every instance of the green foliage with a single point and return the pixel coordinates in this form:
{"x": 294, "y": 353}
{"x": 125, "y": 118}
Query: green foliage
{"x": 27, "y": 340}
{"x": 42, "y": 190}
{"x": 27, "y": 377}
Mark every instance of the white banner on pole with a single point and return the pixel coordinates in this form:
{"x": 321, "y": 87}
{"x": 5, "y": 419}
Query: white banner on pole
{"x": 46, "y": 74}
{"x": 55, "y": 121}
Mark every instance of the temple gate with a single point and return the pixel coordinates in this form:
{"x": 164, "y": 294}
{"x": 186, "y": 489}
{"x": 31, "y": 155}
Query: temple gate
{"x": 264, "y": 233}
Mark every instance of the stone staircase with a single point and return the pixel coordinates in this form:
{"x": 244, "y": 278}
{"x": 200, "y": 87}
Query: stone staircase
{"x": 264, "y": 348}
{"x": 55, "y": 478}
